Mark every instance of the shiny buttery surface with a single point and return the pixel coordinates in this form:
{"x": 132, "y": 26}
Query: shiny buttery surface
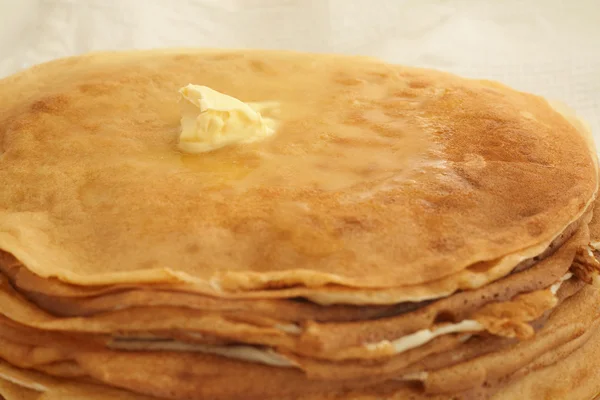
{"x": 379, "y": 176}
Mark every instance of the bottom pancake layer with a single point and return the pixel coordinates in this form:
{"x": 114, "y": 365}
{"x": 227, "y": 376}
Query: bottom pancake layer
{"x": 570, "y": 331}
{"x": 563, "y": 374}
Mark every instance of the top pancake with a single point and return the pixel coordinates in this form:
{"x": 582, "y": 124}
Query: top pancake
{"x": 378, "y": 176}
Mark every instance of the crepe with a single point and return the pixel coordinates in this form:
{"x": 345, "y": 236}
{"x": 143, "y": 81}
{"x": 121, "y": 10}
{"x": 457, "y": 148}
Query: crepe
{"x": 368, "y": 151}
{"x": 490, "y": 306}
{"x": 392, "y": 233}
{"x": 570, "y": 327}
{"x": 329, "y": 295}
{"x": 339, "y": 363}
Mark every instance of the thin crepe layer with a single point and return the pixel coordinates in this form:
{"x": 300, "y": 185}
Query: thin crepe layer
{"x": 501, "y": 316}
{"x": 479, "y": 172}
{"x": 574, "y": 376}
{"x": 574, "y": 319}
{"x": 289, "y": 311}
{"x": 28, "y": 348}
{"x": 326, "y": 340}
{"x": 326, "y": 296}
{"x": 64, "y": 300}
{"x": 314, "y": 368}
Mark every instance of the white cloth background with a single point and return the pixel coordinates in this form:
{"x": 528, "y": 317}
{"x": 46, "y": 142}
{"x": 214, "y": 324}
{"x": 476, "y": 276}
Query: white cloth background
{"x": 549, "y": 47}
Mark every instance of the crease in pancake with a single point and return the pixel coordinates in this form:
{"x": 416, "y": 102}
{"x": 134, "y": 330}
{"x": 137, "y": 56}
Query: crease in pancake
{"x": 37, "y": 386}
{"x": 63, "y": 369}
{"x": 421, "y": 337}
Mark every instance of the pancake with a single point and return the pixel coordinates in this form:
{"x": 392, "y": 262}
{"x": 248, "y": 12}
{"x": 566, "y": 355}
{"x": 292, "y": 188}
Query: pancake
{"x": 300, "y": 208}
{"x": 231, "y": 332}
{"x": 501, "y": 317}
{"x": 386, "y": 233}
{"x": 315, "y": 368}
{"x": 572, "y": 325}
{"x": 546, "y": 272}
{"x": 491, "y": 306}
{"x": 329, "y": 295}
{"x": 54, "y": 347}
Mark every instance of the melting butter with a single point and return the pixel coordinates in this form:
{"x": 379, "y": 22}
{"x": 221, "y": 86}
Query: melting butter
{"x": 211, "y": 120}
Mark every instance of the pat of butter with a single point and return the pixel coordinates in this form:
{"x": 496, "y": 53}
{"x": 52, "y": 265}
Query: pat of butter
{"x": 211, "y": 120}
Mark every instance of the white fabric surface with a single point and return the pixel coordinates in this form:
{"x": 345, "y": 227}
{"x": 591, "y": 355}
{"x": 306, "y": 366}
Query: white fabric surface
{"x": 549, "y": 47}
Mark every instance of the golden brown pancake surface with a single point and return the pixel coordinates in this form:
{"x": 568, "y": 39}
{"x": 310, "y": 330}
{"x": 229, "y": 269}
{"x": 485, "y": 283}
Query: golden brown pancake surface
{"x": 378, "y": 176}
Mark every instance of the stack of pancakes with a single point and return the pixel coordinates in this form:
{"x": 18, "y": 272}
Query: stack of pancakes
{"x": 404, "y": 234}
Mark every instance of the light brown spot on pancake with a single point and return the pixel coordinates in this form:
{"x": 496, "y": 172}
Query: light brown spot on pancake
{"x": 192, "y": 248}
{"x": 51, "y": 104}
{"x": 418, "y": 84}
